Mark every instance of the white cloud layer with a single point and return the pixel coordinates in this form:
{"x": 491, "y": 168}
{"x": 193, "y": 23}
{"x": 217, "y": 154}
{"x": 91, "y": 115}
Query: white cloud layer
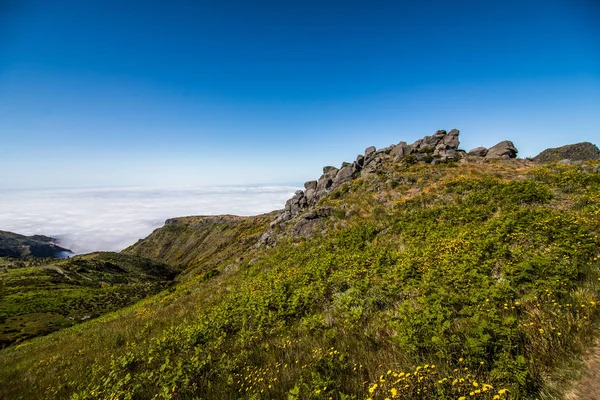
{"x": 110, "y": 219}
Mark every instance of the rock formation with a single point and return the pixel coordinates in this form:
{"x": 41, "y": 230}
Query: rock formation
{"x": 439, "y": 147}
{"x": 575, "y": 152}
{"x": 504, "y": 149}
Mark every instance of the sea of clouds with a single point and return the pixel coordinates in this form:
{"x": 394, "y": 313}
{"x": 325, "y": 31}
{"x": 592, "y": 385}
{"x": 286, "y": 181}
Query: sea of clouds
{"x": 110, "y": 219}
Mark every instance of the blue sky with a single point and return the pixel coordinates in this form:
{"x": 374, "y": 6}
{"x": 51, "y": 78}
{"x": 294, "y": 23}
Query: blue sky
{"x": 182, "y": 92}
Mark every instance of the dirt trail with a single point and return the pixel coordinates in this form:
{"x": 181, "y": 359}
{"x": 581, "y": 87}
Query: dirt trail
{"x": 588, "y": 386}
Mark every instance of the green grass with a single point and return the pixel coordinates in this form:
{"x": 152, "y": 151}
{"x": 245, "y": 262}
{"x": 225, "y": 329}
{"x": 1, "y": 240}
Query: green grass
{"x": 39, "y": 296}
{"x": 476, "y": 280}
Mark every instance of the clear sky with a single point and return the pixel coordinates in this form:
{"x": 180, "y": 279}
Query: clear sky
{"x": 192, "y": 92}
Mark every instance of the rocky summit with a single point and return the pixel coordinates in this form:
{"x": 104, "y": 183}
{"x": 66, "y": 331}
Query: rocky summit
{"x": 442, "y": 146}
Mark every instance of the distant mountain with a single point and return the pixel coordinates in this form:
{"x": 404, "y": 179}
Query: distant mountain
{"x": 20, "y": 246}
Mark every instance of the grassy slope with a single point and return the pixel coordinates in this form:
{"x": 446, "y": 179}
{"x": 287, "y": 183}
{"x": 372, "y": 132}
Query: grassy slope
{"x": 200, "y": 244}
{"x": 444, "y": 281}
{"x": 38, "y": 296}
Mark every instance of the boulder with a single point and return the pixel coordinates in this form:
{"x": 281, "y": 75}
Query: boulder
{"x": 310, "y": 185}
{"x": 308, "y": 221}
{"x": 369, "y": 150}
{"x": 360, "y": 160}
{"x": 401, "y": 149}
{"x": 504, "y": 149}
{"x": 448, "y": 145}
{"x": 370, "y": 167}
{"x": 310, "y": 194}
{"x": 343, "y": 176}
{"x": 330, "y": 171}
{"x": 478, "y": 152}
{"x": 429, "y": 143}
{"x": 323, "y": 185}
{"x": 451, "y": 139}
{"x": 414, "y": 148}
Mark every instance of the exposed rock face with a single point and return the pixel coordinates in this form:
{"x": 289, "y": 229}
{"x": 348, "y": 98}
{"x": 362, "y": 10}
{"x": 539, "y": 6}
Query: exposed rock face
{"x": 344, "y": 175}
{"x": 478, "y": 152}
{"x": 504, "y": 149}
{"x": 310, "y": 185}
{"x": 575, "y": 152}
{"x": 440, "y": 145}
{"x": 308, "y": 221}
{"x": 401, "y": 149}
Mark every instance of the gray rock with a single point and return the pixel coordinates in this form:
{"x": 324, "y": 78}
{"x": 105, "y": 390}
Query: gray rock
{"x": 360, "y": 160}
{"x": 369, "y": 150}
{"x": 330, "y": 171}
{"x": 401, "y": 149}
{"x": 478, "y": 152}
{"x": 343, "y": 176}
{"x": 385, "y": 150}
{"x": 449, "y": 154}
{"x": 429, "y": 143}
{"x": 308, "y": 221}
{"x": 323, "y": 184}
{"x": 310, "y": 185}
{"x": 436, "y": 161}
{"x": 310, "y": 193}
{"x": 566, "y": 161}
{"x": 451, "y": 139}
{"x": 576, "y": 152}
{"x": 414, "y": 148}
{"x": 504, "y": 149}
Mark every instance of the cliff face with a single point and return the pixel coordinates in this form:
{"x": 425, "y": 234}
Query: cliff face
{"x": 20, "y": 246}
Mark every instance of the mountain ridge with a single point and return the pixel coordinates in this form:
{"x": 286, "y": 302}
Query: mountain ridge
{"x": 471, "y": 277}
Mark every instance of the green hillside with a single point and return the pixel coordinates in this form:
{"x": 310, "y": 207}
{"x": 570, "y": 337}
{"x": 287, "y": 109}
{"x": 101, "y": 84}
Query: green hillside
{"x": 200, "y": 244}
{"x": 39, "y": 296}
{"x": 476, "y": 279}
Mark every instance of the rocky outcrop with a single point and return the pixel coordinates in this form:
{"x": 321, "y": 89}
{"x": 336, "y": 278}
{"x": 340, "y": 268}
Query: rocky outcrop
{"x": 435, "y": 149}
{"x": 575, "y": 152}
{"x": 478, "y": 152}
{"x": 441, "y": 146}
{"x": 308, "y": 221}
{"x": 504, "y": 149}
